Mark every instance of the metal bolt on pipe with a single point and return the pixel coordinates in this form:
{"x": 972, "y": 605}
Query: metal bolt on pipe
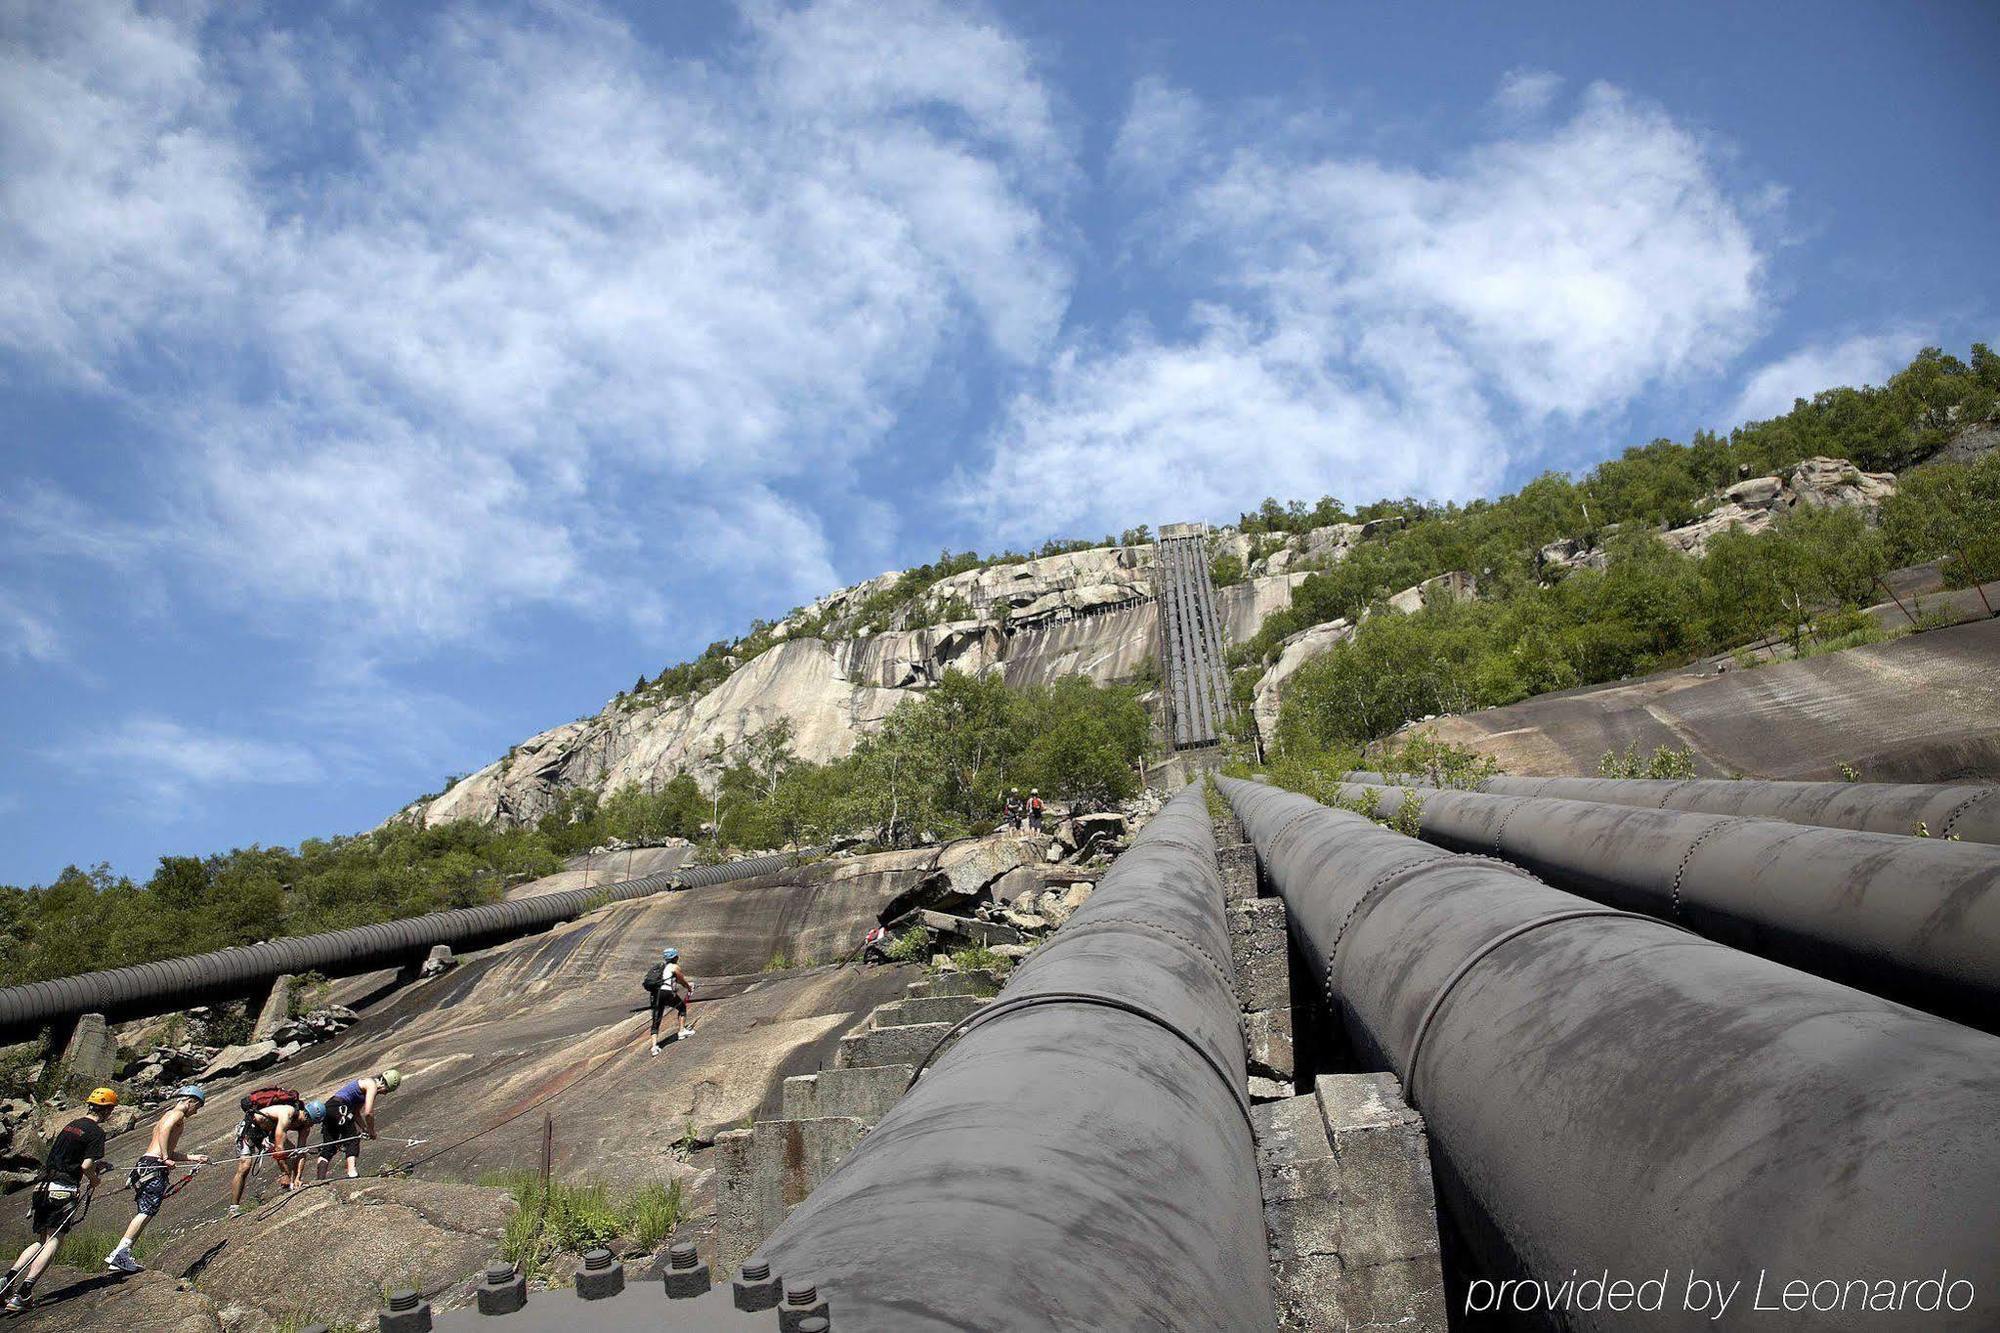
{"x": 1969, "y": 811}
{"x": 1915, "y": 919}
{"x": 1081, "y": 1156}
{"x": 1608, "y": 1093}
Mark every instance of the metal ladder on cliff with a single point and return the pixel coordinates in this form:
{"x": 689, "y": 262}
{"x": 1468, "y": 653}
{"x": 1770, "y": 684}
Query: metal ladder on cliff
{"x": 1196, "y": 693}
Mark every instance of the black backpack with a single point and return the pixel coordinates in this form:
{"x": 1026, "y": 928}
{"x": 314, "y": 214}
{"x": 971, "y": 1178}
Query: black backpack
{"x": 656, "y": 977}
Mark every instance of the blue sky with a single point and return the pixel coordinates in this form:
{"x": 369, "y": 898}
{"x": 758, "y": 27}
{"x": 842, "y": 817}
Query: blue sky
{"x": 382, "y": 384}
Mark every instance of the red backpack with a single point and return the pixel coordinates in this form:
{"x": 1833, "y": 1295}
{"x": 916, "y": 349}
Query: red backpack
{"x": 263, "y": 1099}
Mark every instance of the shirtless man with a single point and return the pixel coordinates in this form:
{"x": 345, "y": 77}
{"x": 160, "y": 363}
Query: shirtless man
{"x": 278, "y": 1130}
{"x": 149, "y": 1177}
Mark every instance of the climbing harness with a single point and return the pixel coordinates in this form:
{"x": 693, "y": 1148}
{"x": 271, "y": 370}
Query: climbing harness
{"x": 79, "y": 1208}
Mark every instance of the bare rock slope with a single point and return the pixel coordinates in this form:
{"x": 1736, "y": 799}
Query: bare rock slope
{"x": 1924, "y": 708}
{"x": 552, "y": 1025}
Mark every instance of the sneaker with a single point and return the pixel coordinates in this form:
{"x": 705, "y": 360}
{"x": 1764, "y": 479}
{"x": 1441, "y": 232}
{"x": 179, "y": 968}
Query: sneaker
{"x": 16, "y": 1304}
{"x": 236, "y": 1210}
{"x": 683, "y": 1033}
{"x": 122, "y": 1260}
{"x": 656, "y": 1048}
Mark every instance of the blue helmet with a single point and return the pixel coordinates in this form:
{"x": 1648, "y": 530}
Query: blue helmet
{"x": 315, "y": 1111}
{"x": 194, "y": 1091}
{"x": 670, "y": 955}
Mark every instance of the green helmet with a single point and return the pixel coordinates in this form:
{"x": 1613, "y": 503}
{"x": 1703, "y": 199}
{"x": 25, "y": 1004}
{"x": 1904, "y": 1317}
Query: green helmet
{"x": 390, "y": 1078}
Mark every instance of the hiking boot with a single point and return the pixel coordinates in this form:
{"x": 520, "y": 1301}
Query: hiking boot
{"x": 122, "y": 1260}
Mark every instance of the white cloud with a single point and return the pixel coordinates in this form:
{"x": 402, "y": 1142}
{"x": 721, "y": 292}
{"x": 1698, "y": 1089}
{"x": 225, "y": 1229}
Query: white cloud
{"x": 122, "y": 211}
{"x": 1526, "y": 90}
{"x": 162, "y": 764}
{"x": 1376, "y": 328}
{"x": 562, "y": 286}
{"x": 1146, "y": 430}
{"x": 1160, "y": 135}
{"x": 1867, "y": 359}
{"x": 25, "y": 635}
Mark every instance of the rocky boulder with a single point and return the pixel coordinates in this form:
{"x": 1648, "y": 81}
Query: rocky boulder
{"x": 1756, "y": 493}
{"x": 1569, "y": 553}
{"x": 967, "y": 872}
{"x": 232, "y": 1060}
{"x": 1753, "y": 505}
{"x": 1080, "y": 834}
{"x": 1058, "y": 905}
{"x": 1298, "y": 649}
{"x": 1454, "y": 586}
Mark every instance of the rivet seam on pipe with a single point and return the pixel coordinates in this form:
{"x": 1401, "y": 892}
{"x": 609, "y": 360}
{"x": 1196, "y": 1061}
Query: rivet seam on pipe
{"x": 1502, "y": 863}
{"x": 1680, "y": 871}
{"x": 1333, "y": 950}
{"x": 1672, "y": 791}
{"x": 979, "y": 1018}
{"x": 1944, "y": 830}
{"x": 1508, "y": 814}
{"x": 1382, "y": 881}
{"x": 1286, "y": 827}
{"x": 1485, "y": 951}
{"x": 1225, "y": 975}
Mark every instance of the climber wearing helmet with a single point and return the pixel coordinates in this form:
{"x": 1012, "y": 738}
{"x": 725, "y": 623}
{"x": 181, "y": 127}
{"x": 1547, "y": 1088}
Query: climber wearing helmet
{"x": 62, "y": 1191}
{"x": 1034, "y": 810}
{"x": 350, "y": 1114}
{"x": 276, "y": 1124}
{"x": 669, "y": 986}
{"x": 148, "y": 1179}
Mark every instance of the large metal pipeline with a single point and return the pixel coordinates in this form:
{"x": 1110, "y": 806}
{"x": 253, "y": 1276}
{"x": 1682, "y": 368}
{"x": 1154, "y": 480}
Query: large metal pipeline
{"x": 1081, "y": 1157}
{"x": 1915, "y": 919}
{"x": 1968, "y": 811}
{"x": 1609, "y": 1094}
{"x": 175, "y": 983}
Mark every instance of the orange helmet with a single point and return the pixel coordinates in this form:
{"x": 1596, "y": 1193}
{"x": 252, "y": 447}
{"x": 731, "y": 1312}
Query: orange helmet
{"x": 103, "y": 1097}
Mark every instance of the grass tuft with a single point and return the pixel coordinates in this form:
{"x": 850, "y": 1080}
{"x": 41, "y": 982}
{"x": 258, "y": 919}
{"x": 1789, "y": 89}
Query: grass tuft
{"x": 912, "y": 946}
{"x": 571, "y": 1217}
{"x": 86, "y": 1247}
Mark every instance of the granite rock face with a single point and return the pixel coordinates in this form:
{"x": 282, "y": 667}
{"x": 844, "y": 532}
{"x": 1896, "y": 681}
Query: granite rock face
{"x": 1089, "y": 613}
{"x": 801, "y": 680}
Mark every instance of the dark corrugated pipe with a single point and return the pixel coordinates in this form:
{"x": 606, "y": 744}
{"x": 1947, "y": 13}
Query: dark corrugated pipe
{"x": 1966, "y": 810}
{"x": 1081, "y": 1157}
{"x": 1608, "y": 1093}
{"x": 1915, "y": 919}
{"x": 152, "y": 988}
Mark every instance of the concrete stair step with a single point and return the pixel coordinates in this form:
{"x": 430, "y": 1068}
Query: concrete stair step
{"x": 928, "y": 1009}
{"x": 865, "y": 1093}
{"x": 905, "y": 1045}
{"x": 979, "y": 982}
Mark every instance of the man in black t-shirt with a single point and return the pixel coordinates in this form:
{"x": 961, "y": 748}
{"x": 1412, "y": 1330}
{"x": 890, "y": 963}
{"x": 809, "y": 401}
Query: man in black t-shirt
{"x": 69, "y": 1173}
